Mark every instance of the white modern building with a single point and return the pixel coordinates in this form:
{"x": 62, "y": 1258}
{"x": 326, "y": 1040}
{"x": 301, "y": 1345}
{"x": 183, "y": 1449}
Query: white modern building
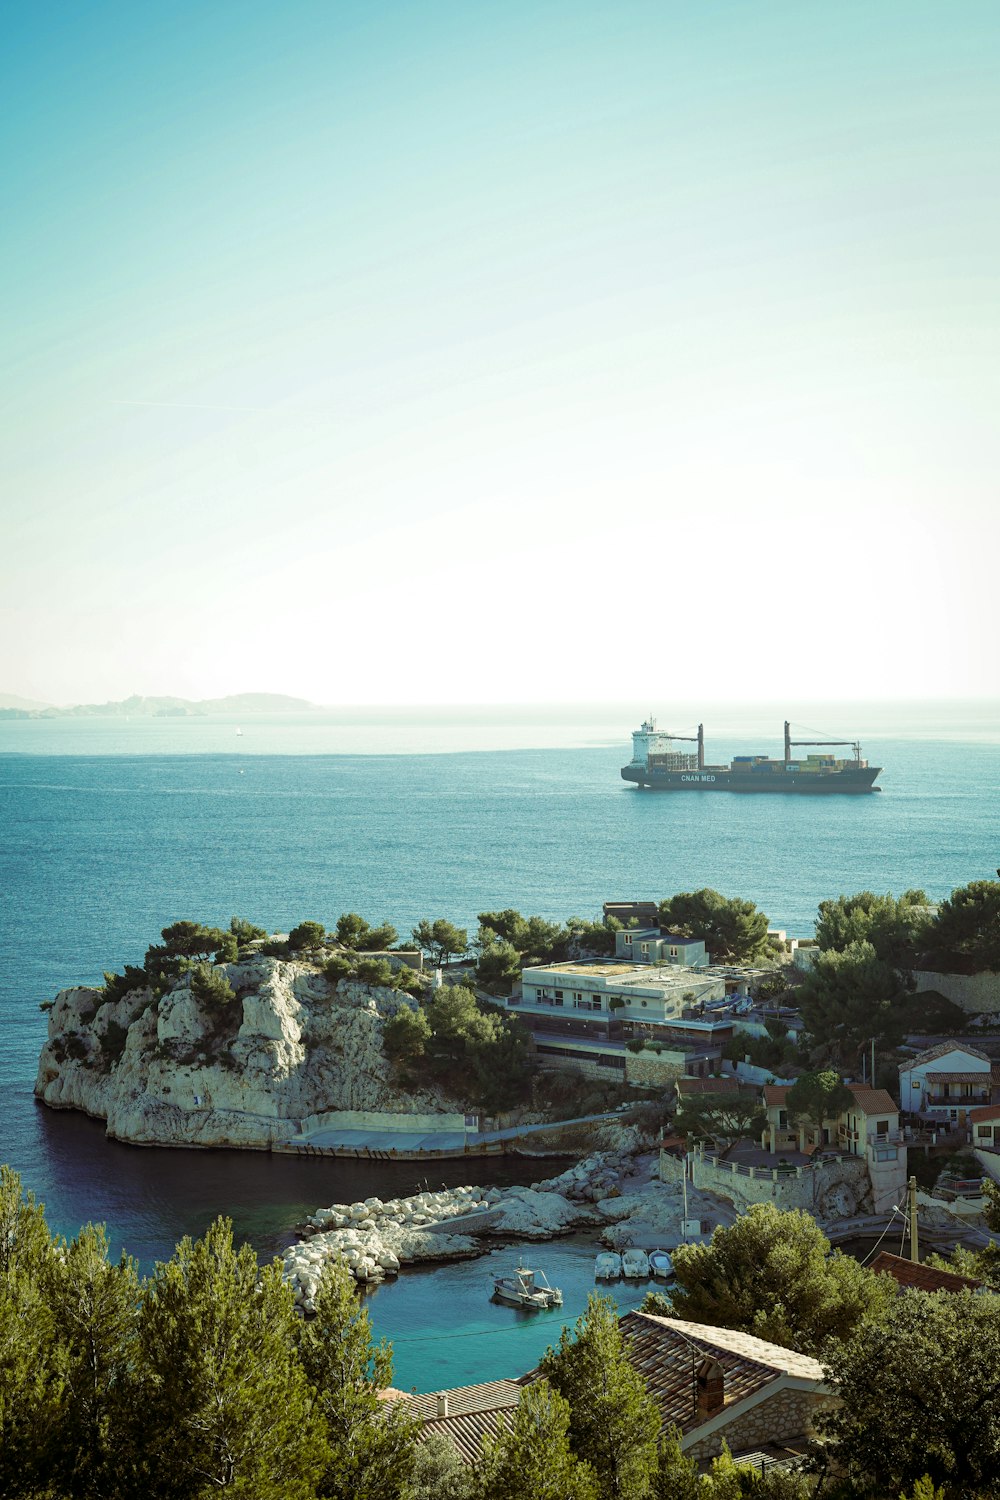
{"x": 648, "y": 945}
{"x": 947, "y": 1082}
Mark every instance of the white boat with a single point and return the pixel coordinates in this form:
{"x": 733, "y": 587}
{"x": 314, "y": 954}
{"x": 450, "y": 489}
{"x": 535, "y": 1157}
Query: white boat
{"x": 660, "y": 1265}
{"x": 635, "y": 1265}
{"x": 527, "y": 1289}
{"x": 607, "y": 1266}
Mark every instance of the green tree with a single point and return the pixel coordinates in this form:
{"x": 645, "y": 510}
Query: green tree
{"x": 306, "y": 937}
{"x": 771, "y": 1274}
{"x": 816, "y": 1097}
{"x": 94, "y": 1304}
{"x": 849, "y": 997}
{"x": 210, "y": 987}
{"x": 380, "y": 939}
{"x": 734, "y": 1115}
{"x": 245, "y": 932}
{"x": 117, "y": 986}
{"x": 499, "y": 967}
{"x": 352, "y": 930}
{"x": 30, "y": 1388}
{"x": 614, "y": 1423}
{"x": 224, "y": 1403}
{"x": 190, "y": 939}
{"x": 732, "y": 930}
{"x": 340, "y": 966}
{"x": 532, "y": 1459}
{"x": 439, "y": 1473}
{"x": 919, "y": 1396}
{"x": 594, "y": 937}
{"x": 405, "y": 1037}
{"x": 895, "y": 928}
{"x": 965, "y": 934}
{"x": 676, "y": 1476}
{"x": 374, "y": 971}
{"x": 441, "y": 940}
{"x": 536, "y": 940}
{"x": 370, "y": 1444}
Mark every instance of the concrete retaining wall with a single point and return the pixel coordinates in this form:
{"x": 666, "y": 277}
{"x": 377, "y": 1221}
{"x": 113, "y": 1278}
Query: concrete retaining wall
{"x": 357, "y": 1119}
{"x": 654, "y": 1069}
{"x": 832, "y": 1189}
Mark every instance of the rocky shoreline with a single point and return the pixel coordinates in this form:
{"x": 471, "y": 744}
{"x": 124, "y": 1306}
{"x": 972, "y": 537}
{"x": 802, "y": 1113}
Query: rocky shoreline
{"x": 616, "y": 1193}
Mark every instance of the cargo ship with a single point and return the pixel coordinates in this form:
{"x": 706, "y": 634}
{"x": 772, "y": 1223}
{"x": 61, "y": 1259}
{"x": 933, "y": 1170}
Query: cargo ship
{"x": 657, "y": 764}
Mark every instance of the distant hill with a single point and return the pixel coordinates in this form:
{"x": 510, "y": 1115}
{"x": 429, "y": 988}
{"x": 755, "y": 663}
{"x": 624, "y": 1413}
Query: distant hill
{"x": 160, "y": 708}
{"x": 13, "y": 700}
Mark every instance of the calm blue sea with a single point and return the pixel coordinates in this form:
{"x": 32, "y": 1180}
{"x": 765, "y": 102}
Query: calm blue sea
{"x": 111, "y": 829}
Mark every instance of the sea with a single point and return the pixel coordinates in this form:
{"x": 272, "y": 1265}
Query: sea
{"x": 111, "y": 828}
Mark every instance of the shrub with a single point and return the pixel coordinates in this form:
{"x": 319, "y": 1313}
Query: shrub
{"x": 339, "y": 966}
{"x": 113, "y": 1043}
{"x": 374, "y": 971}
{"x": 211, "y": 988}
{"x": 117, "y": 986}
{"x": 635, "y": 1046}
{"x": 275, "y": 948}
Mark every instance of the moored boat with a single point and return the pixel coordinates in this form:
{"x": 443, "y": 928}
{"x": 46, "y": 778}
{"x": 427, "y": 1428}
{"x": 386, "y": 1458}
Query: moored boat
{"x": 607, "y": 1266}
{"x": 527, "y": 1289}
{"x": 635, "y": 1265}
{"x": 660, "y": 1265}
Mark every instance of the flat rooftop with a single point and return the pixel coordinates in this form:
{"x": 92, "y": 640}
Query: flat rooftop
{"x": 595, "y": 966}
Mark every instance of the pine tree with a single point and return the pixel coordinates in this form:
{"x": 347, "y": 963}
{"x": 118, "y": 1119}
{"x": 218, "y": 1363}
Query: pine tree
{"x": 532, "y": 1460}
{"x": 29, "y": 1385}
{"x": 613, "y": 1423}
{"x": 225, "y": 1403}
{"x": 370, "y": 1444}
{"x": 95, "y": 1306}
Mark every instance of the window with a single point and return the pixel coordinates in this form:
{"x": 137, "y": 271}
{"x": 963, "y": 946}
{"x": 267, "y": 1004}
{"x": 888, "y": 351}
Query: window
{"x": 644, "y": 1005}
{"x": 881, "y": 1127}
{"x": 628, "y": 939}
{"x": 644, "y": 947}
{"x": 559, "y": 995}
{"x": 611, "y": 1062}
{"x": 782, "y": 1119}
{"x": 586, "y": 1002}
{"x": 673, "y": 951}
{"x": 984, "y": 1132}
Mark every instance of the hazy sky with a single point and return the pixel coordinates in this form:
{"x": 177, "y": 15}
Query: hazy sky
{"x": 500, "y": 351}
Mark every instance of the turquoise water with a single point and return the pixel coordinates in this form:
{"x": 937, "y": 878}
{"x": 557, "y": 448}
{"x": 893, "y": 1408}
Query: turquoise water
{"x": 112, "y": 829}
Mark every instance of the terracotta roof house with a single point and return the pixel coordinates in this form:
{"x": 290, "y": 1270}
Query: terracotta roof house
{"x": 946, "y": 1081}
{"x": 985, "y": 1126}
{"x": 868, "y": 1127}
{"x": 715, "y": 1385}
{"x": 913, "y": 1274}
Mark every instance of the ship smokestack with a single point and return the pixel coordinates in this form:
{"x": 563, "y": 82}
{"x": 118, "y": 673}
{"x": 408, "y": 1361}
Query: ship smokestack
{"x": 788, "y": 742}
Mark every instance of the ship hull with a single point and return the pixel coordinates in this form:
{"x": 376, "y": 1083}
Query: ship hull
{"x": 852, "y": 782}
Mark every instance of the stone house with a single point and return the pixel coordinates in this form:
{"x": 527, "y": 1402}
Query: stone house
{"x": 868, "y": 1127}
{"x": 714, "y": 1385}
{"x": 948, "y": 1081}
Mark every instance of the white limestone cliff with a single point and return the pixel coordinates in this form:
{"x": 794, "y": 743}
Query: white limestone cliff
{"x": 171, "y": 1071}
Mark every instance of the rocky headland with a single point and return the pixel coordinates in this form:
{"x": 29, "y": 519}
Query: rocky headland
{"x": 170, "y": 1070}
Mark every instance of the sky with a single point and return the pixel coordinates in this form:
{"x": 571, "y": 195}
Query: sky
{"x": 486, "y": 352}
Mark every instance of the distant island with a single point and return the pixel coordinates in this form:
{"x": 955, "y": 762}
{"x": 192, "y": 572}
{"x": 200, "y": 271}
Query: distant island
{"x": 162, "y": 708}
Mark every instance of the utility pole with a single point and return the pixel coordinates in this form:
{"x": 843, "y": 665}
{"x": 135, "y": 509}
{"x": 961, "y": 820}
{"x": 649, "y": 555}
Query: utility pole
{"x": 912, "y": 1206}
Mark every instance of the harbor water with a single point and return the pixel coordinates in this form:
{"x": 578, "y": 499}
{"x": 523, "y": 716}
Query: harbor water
{"x": 112, "y": 829}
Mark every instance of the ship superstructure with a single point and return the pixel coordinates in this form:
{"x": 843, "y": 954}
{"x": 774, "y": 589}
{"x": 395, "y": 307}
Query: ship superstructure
{"x": 657, "y": 763}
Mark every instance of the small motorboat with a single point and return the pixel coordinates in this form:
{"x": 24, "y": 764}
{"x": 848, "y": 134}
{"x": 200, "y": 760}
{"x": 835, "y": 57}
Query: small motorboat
{"x": 527, "y": 1289}
{"x": 607, "y": 1266}
{"x": 635, "y": 1265}
{"x": 660, "y": 1265}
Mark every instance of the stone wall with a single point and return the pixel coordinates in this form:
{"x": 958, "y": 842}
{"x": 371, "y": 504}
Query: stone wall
{"x": 787, "y": 1414}
{"x": 359, "y": 1119}
{"x": 654, "y": 1069}
{"x": 838, "y": 1188}
{"x": 979, "y": 994}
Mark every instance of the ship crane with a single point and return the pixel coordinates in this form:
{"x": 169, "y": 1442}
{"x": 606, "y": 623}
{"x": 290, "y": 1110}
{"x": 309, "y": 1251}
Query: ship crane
{"x": 696, "y": 739}
{"x": 789, "y": 742}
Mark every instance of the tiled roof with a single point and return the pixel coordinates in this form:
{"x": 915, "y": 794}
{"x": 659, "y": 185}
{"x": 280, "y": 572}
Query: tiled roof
{"x": 985, "y": 1112}
{"x": 941, "y": 1050}
{"x": 689, "y": 1087}
{"x": 958, "y": 1077}
{"x": 776, "y": 1093}
{"x": 873, "y": 1101}
{"x": 923, "y": 1278}
{"x": 474, "y": 1412}
{"x": 667, "y": 1351}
